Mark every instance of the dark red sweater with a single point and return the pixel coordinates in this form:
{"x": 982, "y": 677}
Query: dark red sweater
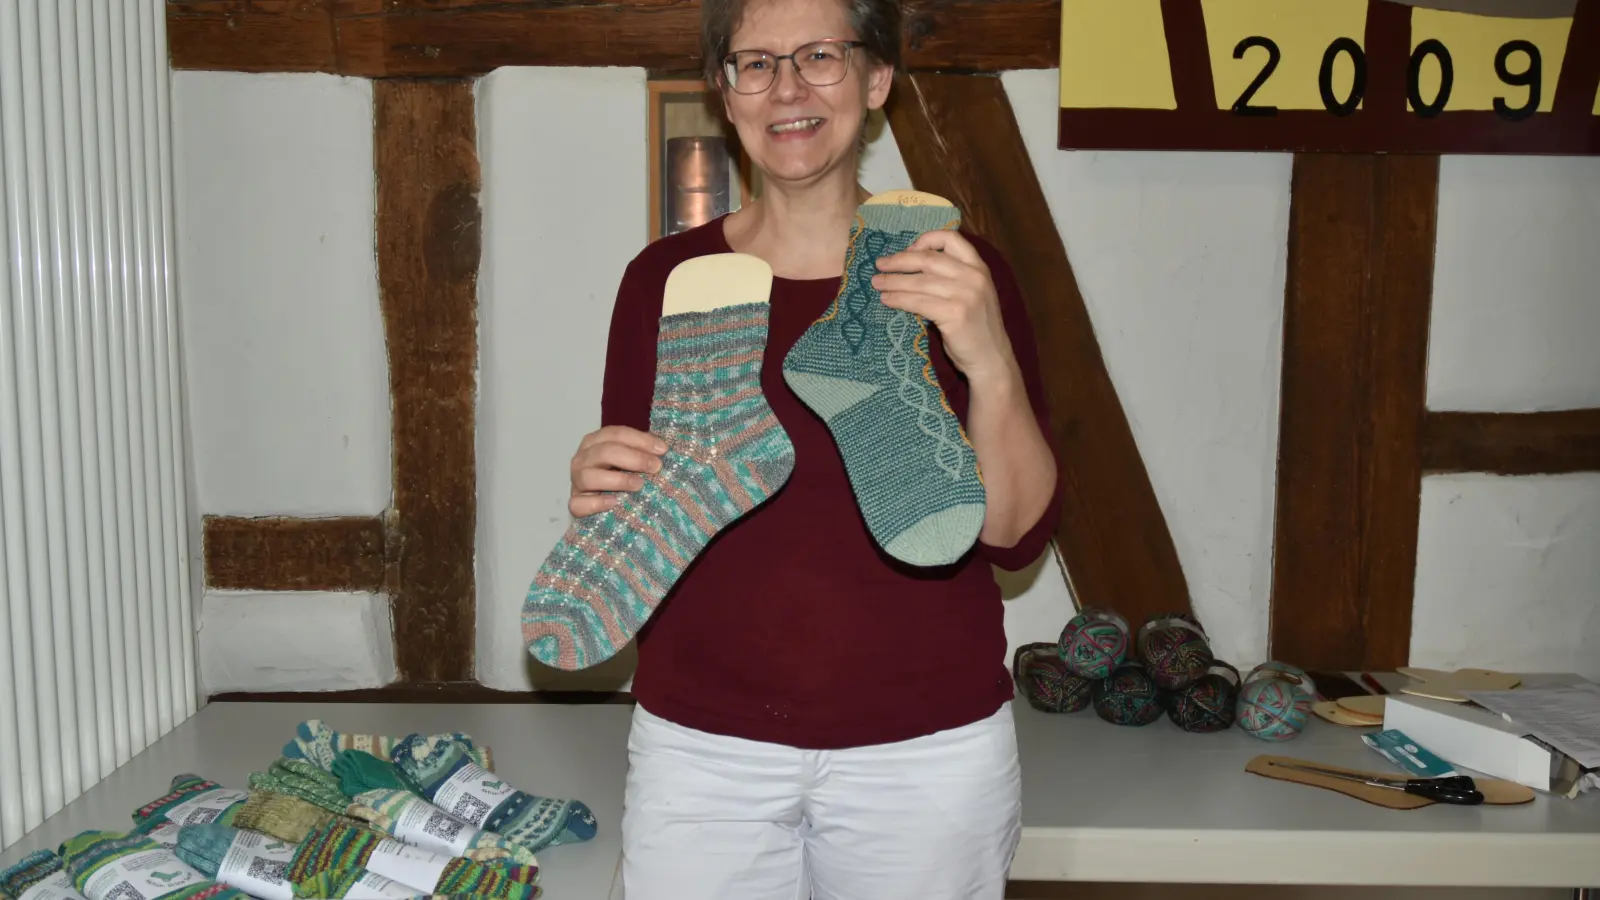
{"x": 793, "y": 626}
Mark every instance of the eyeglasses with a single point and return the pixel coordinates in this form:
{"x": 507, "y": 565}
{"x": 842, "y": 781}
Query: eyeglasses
{"x": 818, "y": 64}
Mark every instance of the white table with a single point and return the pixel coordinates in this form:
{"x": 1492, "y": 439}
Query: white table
{"x": 1100, "y": 802}
{"x": 553, "y": 750}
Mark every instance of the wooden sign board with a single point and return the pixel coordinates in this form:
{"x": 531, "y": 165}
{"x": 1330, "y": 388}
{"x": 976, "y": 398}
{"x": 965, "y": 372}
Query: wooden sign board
{"x": 1361, "y": 76}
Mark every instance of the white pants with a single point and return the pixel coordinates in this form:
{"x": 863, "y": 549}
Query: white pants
{"x": 717, "y": 818}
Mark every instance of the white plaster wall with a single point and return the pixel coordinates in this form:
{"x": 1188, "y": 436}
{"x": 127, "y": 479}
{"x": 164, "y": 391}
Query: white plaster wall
{"x": 287, "y": 374}
{"x": 1181, "y": 259}
{"x": 564, "y": 202}
{"x": 295, "y": 642}
{"x": 283, "y": 339}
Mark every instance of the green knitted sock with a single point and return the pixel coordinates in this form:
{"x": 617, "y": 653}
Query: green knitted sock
{"x": 315, "y": 742}
{"x": 404, "y": 815}
{"x": 190, "y": 800}
{"x": 864, "y": 369}
{"x": 109, "y": 865}
{"x": 302, "y": 779}
{"x": 452, "y": 782}
{"x": 353, "y": 883}
{"x": 726, "y": 455}
{"x": 39, "y": 868}
{"x": 253, "y": 862}
{"x": 282, "y": 816}
{"x": 338, "y": 846}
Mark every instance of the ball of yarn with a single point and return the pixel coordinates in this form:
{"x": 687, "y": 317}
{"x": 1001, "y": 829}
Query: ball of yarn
{"x": 1273, "y": 709}
{"x": 1281, "y": 670}
{"x": 1042, "y": 676}
{"x": 1094, "y": 643}
{"x": 1127, "y": 696}
{"x": 1174, "y": 649}
{"x": 1209, "y": 703}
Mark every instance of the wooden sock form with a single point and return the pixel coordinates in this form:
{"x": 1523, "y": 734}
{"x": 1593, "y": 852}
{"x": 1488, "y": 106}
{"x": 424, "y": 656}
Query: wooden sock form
{"x": 706, "y": 283}
{"x": 1496, "y": 791}
{"x": 907, "y": 198}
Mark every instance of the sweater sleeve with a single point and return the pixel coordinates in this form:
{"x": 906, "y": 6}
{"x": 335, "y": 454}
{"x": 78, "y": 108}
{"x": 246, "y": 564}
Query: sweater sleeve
{"x": 1020, "y": 329}
{"x": 631, "y": 348}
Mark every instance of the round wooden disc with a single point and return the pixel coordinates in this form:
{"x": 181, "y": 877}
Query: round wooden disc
{"x": 1331, "y": 711}
{"x": 1369, "y": 707}
{"x": 1499, "y": 792}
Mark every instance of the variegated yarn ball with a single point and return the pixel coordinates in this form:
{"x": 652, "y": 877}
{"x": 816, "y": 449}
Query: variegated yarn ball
{"x": 1273, "y": 709}
{"x": 1094, "y": 643}
{"x": 1279, "y": 669}
{"x": 1209, "y": 703}
{"x": 1128, "y": 696}
{"x": 1174, "y": 649}
{"x": 1042, "y": 676}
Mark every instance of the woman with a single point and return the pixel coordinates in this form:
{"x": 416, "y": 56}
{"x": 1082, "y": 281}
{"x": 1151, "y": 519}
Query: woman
{"x": 815, "y": 718}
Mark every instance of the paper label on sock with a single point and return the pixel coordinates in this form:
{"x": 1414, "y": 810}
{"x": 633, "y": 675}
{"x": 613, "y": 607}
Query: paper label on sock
{"x": 472, "y": 793}
{"x": 257, "y": 864}
{"x": 57, "y": 887}
{"x": 165, "y": 834}
{"x": 427, "y": 826}
{"x": 145, "y": 875}
{"x": 376, "y": 887}
{"x": 205, "y": 806}
{"x": 406, "y": 864}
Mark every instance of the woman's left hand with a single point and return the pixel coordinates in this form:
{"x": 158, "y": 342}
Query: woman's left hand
{"x": 941, "y": 277}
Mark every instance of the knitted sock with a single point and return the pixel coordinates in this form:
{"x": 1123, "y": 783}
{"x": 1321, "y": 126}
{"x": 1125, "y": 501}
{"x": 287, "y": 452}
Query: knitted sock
{"x": 302, "y": 779}
{"x": 109, "y": 865}
{"x": 450, "y": 781}
{"x": 41, "y": 868}
{"x": 190, "y": 800}
{"x": 359, "y": 771}
{"x": 336, "y": 846}
{"x": 726, "y": 454}
{"x": 864, "y": 369}
{"x": 404, "y": 815}
{"x": 248, "y": 860}
{"x": 354, "y": 883}
{"x": 315, "y": 742}
{"x": 282, "y": 816}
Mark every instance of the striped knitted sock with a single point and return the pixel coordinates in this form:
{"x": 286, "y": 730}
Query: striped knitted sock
{"x": 404, "y": 815}
{"x": 452, "y": 782}
{"x": 41, "y": 867}
{"x": 340, "y": 883}
{"x": 298, "y": 778}
{"x": 190, "y": 800}
{"x": 315, "y": 742}
{"x": 864, "y": 369}
{"x": 109, "y": 865}
{"x": 337, "y": 846}
{"x": 726, "y": 454}
{"x": 282, "y": 816}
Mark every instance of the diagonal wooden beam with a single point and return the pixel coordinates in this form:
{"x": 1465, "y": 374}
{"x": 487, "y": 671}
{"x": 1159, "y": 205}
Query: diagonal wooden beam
{"x": 459, "y": 38}
{"x": 1355, "y": 336}
{"x": 959, "y": 138}
{"x": 428, "y": 235}
{"x": 1535, "y": 443}
{"x": 284, "y": 554}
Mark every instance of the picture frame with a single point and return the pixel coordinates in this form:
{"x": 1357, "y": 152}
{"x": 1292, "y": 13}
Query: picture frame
{"x": 696, "y": 167}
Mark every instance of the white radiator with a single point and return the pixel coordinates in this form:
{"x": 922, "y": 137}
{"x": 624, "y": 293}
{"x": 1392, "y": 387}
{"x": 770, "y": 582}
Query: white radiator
{"x": 96, "y": 649}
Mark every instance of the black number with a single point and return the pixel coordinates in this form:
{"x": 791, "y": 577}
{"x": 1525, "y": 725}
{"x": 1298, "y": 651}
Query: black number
{"x": 1447, "y": 78}
{"x": 1242, "y": 106}
{"x": 1358, "y": 87}
{"x": 1531, "y": 78}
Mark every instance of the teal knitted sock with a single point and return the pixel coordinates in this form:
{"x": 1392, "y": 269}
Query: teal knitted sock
{"x": 726, "y": 455}
{"x": 40, "y": 868}
{"x": 447, "y": 778}
{"x": 255, "y": 863}
{"x": 864, "y": 368}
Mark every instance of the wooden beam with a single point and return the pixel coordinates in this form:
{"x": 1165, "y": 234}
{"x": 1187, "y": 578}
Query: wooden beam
{"x": 428, "y": 236}
{"x": 283, "y": 554}
{"x": 1537, "y": 443}
{"x": 1358, "y": 298}
{"x": 462, "y": 38}
{"x": 959, "y": 138}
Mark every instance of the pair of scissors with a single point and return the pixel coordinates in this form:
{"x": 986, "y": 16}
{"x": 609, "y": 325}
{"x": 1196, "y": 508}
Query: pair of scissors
{"x": 1458, "y": 789}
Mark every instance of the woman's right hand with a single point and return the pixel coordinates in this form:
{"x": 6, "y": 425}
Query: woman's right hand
{"x": 611, "y": 459}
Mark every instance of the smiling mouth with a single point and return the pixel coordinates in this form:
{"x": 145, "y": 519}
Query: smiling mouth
{"x": 796, "y": 125}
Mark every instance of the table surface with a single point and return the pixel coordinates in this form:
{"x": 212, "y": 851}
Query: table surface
{"x": 1100, "y": 803}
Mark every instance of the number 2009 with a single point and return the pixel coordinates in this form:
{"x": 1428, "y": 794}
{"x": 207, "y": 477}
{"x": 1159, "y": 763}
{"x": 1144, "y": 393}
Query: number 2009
{"x": 1530, "y": 78}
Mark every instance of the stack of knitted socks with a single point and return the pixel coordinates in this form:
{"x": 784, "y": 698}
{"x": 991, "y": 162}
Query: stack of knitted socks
{"x": 108, "y": 865}
{"x": 443, "y": 771}
{"x": 41, "y": 872}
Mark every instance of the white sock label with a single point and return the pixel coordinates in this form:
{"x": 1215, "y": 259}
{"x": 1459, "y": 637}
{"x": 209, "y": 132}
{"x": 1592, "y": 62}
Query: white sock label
{"x": 472, "y": 793}
{"x": 205, "y": 806}
{"x": 165, "y": 834}
{"x": 57, "y": 887}
{"x": 427, "y": 826}
{"x": 145, "y": 875}
{"x": 257, "y": 864}
{"x": 407, "y": 864}
{"x": 376, "y": 887}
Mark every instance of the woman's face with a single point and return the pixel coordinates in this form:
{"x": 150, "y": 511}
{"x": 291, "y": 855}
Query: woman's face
{"x": 795, "y": 131}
